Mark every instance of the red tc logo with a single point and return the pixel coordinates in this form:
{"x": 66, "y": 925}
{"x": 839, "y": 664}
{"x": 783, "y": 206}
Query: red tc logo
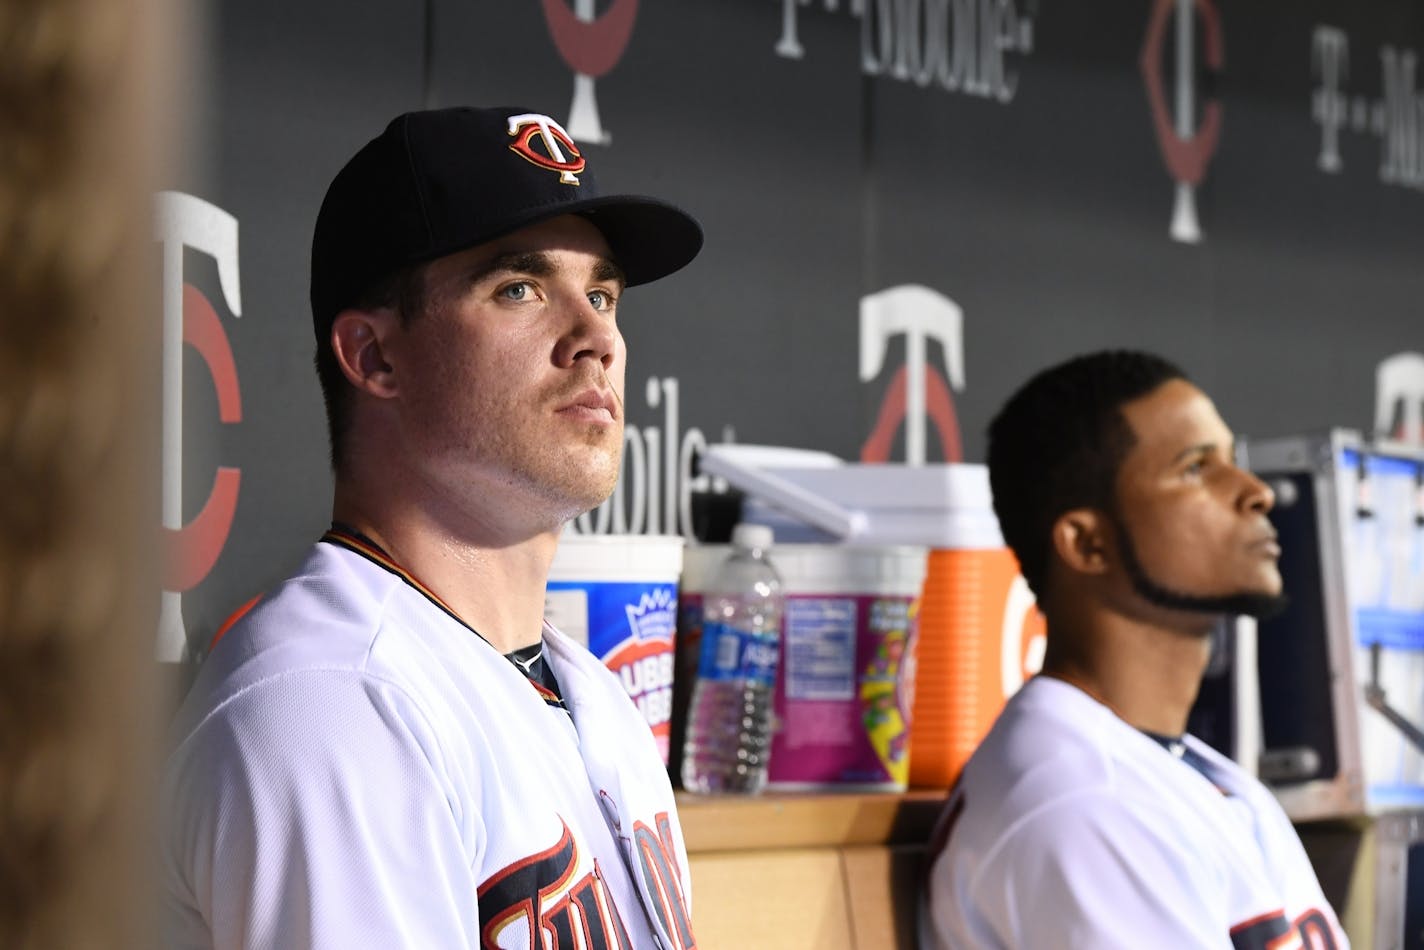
{"x": 526, "y": 127}
{"x": 1185, "y": 149}
{"x": 591, "y": 46}
{"x": 183, "y": 221}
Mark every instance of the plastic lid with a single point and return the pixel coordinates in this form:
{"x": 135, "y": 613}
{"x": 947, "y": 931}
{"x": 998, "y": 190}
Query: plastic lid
{"x": 748, "y": 535}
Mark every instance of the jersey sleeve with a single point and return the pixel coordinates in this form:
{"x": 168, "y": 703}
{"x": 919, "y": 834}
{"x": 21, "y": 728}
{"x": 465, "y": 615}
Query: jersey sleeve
{"x": 316, "y": 810}
{"x": 1094, "y": 871}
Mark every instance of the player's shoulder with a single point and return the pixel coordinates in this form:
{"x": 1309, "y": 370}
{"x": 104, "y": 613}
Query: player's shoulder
{"x": 1044, "y": 779}
{"x": 1051, "y": 743}
{"x": 1048, "y": 726}
{"x": 331, "y": 606}
{"x": 322, "y": 622}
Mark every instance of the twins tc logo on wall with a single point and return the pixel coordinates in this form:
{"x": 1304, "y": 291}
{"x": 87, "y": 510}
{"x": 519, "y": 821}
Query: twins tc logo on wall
{"x": 1187, "y": 148}
{"x": 189, "y": 319}
{"x": 1399, "y": 398}
{"x": 917, "y": 390}
{"x": 591, "y": 45}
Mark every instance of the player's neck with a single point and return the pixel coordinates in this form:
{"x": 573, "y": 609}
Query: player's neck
{"x": 495, "y": 584}
{"x": 1148, "y": 676}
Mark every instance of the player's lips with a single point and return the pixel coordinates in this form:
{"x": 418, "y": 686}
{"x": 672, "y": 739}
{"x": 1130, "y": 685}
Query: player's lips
{"x": 1266, "y": 544}
{"x": 591, "y": 405}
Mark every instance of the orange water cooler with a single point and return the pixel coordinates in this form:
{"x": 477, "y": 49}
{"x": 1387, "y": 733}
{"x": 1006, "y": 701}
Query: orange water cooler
{"x": 981, "y": 635}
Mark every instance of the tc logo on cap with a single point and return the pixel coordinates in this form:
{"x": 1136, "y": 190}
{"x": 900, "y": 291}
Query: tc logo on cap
{"x": 530, "y": 125}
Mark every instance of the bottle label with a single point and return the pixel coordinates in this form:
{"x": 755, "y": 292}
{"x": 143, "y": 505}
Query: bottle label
{"x": 730, "y": 654}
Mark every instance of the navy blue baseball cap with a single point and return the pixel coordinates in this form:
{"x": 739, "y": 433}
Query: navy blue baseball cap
{"x": 444, "y": 180}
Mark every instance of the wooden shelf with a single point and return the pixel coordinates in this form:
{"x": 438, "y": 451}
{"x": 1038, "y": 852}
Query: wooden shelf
{"x": 775, "y": 820}
{"x": 795, "y": 871}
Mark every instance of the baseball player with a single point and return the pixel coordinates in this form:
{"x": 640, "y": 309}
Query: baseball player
{"x": 392, "y": 749}
{"x": 1087, "y": 818}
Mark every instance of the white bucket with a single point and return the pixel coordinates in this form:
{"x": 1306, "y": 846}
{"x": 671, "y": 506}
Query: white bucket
{"x": 844, "y": 683}
{"x": 617, "y": 595}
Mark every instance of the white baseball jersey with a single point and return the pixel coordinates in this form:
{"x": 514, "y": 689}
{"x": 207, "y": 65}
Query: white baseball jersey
{"x": 354, "y": 767}
{"x": 1070, "y": 828}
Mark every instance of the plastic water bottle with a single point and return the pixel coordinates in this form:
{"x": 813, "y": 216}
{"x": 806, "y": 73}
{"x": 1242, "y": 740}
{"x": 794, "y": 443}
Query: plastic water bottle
{"x": 729, "y": 719}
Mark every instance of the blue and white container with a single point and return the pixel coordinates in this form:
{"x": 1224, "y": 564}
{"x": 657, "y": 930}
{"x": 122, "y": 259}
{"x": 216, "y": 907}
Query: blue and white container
{"x": 617, "y": 594}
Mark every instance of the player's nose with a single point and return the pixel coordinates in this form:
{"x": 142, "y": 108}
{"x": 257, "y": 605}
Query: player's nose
{"x": 591, "y": 333}
{"x": 1255, "y": 495}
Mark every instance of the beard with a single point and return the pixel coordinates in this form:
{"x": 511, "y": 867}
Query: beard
{"x": 1244, "y": 603}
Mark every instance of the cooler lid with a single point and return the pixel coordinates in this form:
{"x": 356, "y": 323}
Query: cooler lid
{"x": 943, "y": 505}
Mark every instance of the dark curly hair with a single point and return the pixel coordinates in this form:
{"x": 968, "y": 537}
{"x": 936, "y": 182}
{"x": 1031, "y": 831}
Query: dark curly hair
{"x": 1057, "y": 443}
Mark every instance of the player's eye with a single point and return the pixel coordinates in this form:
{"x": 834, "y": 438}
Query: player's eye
{"x": 519, "y": 290}
{"x": 1197, "y": 467}
{"x": 601, "y": 299}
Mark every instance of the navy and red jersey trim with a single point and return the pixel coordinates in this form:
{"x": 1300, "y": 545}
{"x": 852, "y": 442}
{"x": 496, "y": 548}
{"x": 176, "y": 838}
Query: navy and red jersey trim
{"x": 358, "y": 543}
{"x": 1274, "y": 931}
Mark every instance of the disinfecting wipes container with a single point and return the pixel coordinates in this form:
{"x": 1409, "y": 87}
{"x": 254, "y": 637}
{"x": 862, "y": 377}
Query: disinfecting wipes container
{"x": 617, "y": 595}
{"x": 843, "y": 687}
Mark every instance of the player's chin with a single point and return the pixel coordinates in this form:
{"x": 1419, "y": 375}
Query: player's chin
{"x": 1263, "y": 599}
{"x": 1267, "y": 580}
{"x": 573, "y": 501}
{"x": 593, "y": 477}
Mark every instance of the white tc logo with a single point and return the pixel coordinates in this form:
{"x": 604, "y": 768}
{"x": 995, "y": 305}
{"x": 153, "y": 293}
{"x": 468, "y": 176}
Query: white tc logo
{"x": 919, "y": 313}
{"x": 1399, "y": 382}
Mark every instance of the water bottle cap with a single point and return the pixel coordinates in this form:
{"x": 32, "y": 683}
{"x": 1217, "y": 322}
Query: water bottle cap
{"x": 748, "y": 535}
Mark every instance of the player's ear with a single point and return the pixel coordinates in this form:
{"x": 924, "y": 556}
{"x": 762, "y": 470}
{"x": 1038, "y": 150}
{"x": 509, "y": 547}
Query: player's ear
{"x": 359, "y": 339}
{"x": 1082, "y": 541}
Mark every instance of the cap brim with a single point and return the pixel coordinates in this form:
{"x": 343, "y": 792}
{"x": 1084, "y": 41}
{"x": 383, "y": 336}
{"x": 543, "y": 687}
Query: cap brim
{"x": 649, "y": 238}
